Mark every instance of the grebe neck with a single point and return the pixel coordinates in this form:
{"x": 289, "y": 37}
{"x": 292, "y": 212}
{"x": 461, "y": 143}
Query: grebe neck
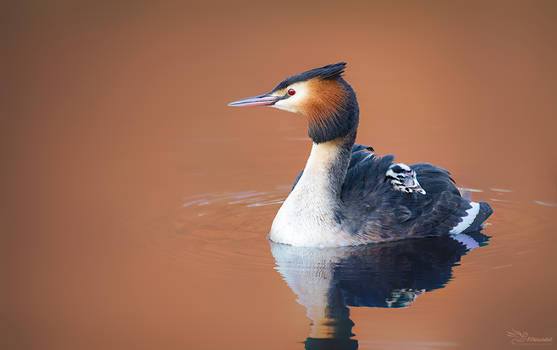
{"x": 326, "y": 166}
{"x": 312, "y": 215}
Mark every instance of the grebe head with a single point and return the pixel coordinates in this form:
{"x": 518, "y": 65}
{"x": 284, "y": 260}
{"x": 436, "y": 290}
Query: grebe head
{"x": 321, "y": 95}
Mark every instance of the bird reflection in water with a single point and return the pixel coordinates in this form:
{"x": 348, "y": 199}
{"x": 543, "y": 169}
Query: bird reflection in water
{"x": 388, "y": 275}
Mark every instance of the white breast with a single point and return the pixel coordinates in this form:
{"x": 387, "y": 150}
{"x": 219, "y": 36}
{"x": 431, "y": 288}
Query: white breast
{"x": 307, "y": 217}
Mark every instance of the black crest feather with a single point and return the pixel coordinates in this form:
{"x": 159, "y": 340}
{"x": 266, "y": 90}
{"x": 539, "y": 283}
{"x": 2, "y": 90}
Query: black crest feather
{"x": 331, "y": 71}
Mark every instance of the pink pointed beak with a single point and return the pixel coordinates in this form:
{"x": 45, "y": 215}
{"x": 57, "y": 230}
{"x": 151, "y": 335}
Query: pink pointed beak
{"x": 261, "y": 100}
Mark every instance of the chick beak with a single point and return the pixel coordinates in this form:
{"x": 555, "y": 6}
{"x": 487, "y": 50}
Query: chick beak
{"x": 261, "y": 100}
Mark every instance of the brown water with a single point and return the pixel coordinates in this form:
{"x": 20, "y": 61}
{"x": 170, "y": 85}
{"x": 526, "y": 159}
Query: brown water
{"x": 137, "y": 204}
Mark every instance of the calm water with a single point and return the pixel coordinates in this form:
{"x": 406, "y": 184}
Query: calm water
{"x": 137, "y": 204}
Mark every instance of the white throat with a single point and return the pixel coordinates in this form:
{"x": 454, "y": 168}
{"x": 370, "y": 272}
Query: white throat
{"x": 308, "y": 217}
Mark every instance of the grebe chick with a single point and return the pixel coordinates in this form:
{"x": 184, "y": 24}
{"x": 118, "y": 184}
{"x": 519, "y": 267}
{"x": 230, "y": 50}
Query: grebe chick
{"x": 346, "y": 195}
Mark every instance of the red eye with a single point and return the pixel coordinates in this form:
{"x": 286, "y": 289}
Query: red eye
{"x": 291, "y": 92}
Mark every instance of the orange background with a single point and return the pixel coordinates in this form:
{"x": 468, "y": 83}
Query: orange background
{"x": 115, "y": 112}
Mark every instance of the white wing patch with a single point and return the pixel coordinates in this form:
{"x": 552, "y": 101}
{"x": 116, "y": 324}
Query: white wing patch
{"x": 403, "y": 179}
{"x": 467, "y": 220}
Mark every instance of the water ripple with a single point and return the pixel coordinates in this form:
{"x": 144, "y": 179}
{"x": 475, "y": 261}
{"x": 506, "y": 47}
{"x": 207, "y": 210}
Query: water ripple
{"x": 247, "y": 198}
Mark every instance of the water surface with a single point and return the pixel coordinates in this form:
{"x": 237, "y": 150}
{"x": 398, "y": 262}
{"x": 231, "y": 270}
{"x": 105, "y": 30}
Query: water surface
{"x": 137, "y": 204}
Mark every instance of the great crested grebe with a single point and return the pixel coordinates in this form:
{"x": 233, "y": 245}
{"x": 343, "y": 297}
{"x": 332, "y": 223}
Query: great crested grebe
{"x": 346, "y": 195}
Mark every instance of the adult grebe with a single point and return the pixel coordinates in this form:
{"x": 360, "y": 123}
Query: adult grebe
{"x": 348, "y": 196}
